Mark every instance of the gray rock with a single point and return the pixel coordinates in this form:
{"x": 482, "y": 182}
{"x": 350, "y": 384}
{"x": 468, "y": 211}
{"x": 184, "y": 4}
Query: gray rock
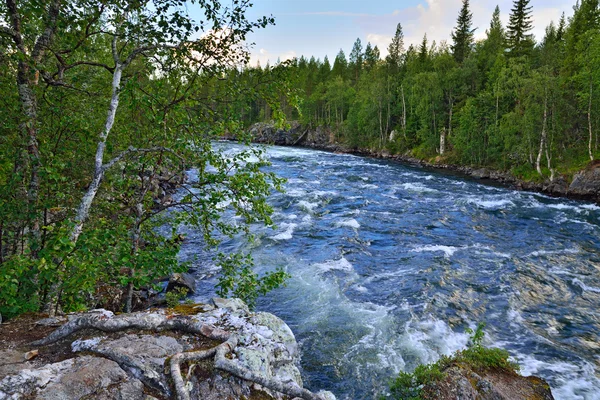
{"x": 73, "y": 379}
{"x": 143, "y": 356}
{"x": 230, "y": 304}
{"x": 12, "y": 361}
{"x": 587, "y": 182}
{"x": 182, "y": 280}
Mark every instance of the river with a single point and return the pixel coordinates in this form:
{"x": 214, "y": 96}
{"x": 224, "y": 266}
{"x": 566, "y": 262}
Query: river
{"x": 390, "y": 263}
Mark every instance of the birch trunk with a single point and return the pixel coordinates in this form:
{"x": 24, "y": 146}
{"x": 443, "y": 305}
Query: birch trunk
{"x": 403, "y": 112}
{"x": 27, "y": 78}
{"x": 83, "y": 210}
{"x": 543, "y": 137}
{"x": 443, "y": 141}
{"x": 589, "y": 116}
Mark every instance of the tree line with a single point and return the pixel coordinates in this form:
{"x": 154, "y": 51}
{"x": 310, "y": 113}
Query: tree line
{"x": 507, "y": 101}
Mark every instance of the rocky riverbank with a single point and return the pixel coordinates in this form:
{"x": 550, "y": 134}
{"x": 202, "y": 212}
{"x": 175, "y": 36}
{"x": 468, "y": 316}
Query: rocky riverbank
{"x": 585, "y": 185}
{"x": 212, "y": 351}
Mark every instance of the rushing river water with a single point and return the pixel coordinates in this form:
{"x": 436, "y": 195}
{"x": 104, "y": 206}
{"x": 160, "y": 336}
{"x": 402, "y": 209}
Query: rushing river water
{"x": 391, "y": 263}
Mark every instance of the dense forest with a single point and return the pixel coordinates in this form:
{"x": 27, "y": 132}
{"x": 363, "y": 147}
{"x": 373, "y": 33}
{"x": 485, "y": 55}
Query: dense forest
{"x": 506, "y": 102}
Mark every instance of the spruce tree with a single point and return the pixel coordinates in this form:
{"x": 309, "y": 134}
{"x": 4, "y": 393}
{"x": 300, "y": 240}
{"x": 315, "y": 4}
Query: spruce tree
{"x": 340, "y": 64}
{"x": 520, "y": 42}
{"x": 423, "y": 50}
{"x": 396, "y": 48}
{"x": 356, "y": 58}
{"x": 463, "y": 33}
{"x": 371, "y": 55}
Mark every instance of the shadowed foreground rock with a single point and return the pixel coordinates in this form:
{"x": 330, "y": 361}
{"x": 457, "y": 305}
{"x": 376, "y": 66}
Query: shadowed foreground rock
{"x": 100, "y": 355}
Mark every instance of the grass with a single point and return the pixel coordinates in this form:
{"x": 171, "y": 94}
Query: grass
{"x": 410, "y": 386}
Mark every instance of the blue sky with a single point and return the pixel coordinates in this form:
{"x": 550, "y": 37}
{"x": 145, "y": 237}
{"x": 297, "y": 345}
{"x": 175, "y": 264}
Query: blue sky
{"x": 322, "y": 27}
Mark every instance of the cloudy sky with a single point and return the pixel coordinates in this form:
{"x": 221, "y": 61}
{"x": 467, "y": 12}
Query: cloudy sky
{"x": 322, "y": 27}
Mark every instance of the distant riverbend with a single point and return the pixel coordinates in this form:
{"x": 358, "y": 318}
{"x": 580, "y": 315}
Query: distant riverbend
{"x": 390, "y": 263}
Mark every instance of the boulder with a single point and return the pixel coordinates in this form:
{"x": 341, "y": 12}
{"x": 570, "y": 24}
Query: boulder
{"x": 465, "y": 384}
{"x": 134, "y": 360}
{"x": 587, "y": 182}
{"x": 183, "y": 280}
{"x": 74, "y": 378}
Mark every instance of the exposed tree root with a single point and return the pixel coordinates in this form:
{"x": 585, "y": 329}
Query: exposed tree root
{"x": 107, "y": 322}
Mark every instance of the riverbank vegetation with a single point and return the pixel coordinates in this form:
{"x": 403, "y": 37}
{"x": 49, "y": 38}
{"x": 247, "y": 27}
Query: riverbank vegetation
{"x": 103, "y": 107}
{"x": 507, "y": 101}
{"x": 422, "y": 382}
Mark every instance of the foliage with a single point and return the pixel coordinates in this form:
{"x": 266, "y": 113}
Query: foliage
{"x": 239, "y": 279}
{"x": 104, "y": 107}
{"x": 175, "y": 296}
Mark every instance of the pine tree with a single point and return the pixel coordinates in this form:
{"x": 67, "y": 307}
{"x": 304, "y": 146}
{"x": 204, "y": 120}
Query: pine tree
{"x": 560, "y": 32}
{"x": 496, "y": 31}
{"x": 463, "y": 33}
{"x": 340, "y": 65}
{"x": 396, "y": 48}
{"x": 371, "y": 55}
{"x": 520, "y": 42}
{"x": 356, "y": 58}
{"x": 423, "y": 51}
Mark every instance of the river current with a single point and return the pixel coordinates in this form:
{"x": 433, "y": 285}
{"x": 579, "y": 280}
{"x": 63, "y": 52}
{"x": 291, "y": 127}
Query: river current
{"x": 390, "y": 263}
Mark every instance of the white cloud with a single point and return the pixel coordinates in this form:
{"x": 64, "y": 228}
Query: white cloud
{"x": 437, "y": 18}
{"x": 263, "y": 56}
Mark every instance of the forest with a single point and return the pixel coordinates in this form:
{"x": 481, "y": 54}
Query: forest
{"x": 506, "y": 102}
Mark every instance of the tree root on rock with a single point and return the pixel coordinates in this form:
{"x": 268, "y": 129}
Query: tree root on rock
{"x": 106, "y": 321}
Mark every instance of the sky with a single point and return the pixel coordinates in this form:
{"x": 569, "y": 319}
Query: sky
{"x": 321, "y": 27}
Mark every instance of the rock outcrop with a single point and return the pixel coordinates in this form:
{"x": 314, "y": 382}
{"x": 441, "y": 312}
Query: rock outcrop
{"x": 587, "y": 182}
{"x": 464, "y": 384}
{"x": 296, "y": 135}
{"x": 123, "y": 359}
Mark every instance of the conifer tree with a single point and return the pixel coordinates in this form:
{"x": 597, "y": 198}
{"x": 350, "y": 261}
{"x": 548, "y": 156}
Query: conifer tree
{"x": 396, "y": 48}
{"x": 340, "y": 64}
{"x": 520, "y": 42}
{"x": 463, "y": 33}
{"x": 496, "y": 32}
{"x": 423, "y": 50}
{"x": 371, "y": 55}
{"x": 356, "y": 58}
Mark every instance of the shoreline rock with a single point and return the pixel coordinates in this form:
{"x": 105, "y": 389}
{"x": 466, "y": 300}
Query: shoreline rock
{"x": 133, "y": 363}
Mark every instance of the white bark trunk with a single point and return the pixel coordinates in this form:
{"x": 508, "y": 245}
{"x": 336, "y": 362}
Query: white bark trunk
{"x": 83, "y": 210}
{"x": 443, "y": 141}
{"x": 403, "y": 112}
{"x": 538, "y": 161}
{"x": 589, "y": 115}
